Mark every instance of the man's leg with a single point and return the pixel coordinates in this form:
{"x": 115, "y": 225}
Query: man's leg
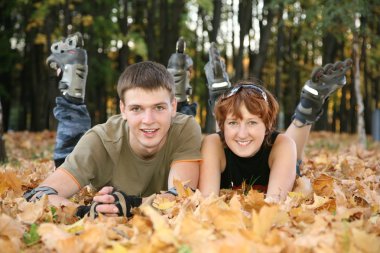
{"x": 180, "y": 66}
{"x": 70, "y": 61}
{"x": 217, "y": 77}
{"x": 324, "y": 81}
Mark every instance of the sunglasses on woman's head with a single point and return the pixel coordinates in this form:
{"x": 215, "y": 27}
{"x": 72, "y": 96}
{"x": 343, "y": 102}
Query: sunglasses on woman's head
{"x": 239, "y": 87}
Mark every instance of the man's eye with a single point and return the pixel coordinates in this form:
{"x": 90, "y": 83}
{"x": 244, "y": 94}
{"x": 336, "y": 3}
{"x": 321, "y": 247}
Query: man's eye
{"x": 135, "y": 109}
{"x": 160, "y": 108}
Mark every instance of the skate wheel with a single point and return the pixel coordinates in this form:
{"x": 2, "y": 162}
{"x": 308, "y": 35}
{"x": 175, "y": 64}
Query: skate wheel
{"x": 316, "y": 74}
{"x": 328, "y": 68}
{"x": 338, "y": 66}
{"x": 348, "y": 62}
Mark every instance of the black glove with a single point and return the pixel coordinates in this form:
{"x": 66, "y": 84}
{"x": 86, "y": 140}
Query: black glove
{"x": 123, "y": 202}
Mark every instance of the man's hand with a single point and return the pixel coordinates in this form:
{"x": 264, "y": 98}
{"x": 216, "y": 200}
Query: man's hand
{"x": 106, "y": 202}
{"x": 111, "y": 203}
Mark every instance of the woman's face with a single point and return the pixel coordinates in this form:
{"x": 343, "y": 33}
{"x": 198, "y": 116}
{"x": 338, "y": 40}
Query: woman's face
{"x": 244, "y": 136}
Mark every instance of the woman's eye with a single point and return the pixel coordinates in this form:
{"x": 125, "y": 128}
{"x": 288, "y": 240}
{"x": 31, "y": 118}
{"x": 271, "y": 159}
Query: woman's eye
{"x": 252, "y": 123}
{"x": 232, "y": 123}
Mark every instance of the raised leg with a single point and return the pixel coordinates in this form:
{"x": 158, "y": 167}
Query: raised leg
{"x": 217, "y": 82}
{"x": 324, "y": 81}
{"x": 70, "y": 62}
{"x": 180, "y": 67}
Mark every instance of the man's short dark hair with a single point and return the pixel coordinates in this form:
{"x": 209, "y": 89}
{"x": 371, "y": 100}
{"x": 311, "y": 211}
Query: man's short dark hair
{"x": 146, "y": 75}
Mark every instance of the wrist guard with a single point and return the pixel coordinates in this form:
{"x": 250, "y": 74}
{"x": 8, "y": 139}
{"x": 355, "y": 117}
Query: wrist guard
{"x": 89, "y": 211}
{"x": 38, "y": 192}
{"x": 125, "y": 203}
{"x": 173, "y": 190}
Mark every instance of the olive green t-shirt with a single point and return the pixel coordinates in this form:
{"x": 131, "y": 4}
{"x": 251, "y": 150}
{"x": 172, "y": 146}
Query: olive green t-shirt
{"x": 103, "y": 156}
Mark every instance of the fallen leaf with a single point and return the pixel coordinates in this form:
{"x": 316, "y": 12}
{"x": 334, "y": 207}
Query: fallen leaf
{"x": 323, "y": 185}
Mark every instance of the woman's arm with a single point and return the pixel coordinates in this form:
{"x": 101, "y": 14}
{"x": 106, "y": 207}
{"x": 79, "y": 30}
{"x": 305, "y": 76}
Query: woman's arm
{"x": 282, "y": 163}
{"x": 212, "y": 165}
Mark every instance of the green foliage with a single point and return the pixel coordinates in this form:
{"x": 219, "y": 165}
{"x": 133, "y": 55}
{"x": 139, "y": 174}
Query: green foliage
{"x": 53, "y": 211}
{"x": 184, "y": 249}
{"x": 139, "y": 45}
{"x": 32, "y": 237}
{"x": 206, "y": 5}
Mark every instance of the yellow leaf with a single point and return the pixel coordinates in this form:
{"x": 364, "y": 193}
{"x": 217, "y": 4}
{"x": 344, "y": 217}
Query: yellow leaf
{"x": 40, "y": 39}
{"x": 117, "y": 248}
{"x": 323, "y": 185}
{"x": 51, "y": 234}
{"x": 303, "y": 186}
{"x": 9, "y": 181}
{"x": 266, "y": 218}
{"x": 163, "y": 203}
{"x": 318, "y": 202}
{"x": 76, "y": 227}
{"x": 87, "y": 20}
{"x": 32, "y": 211}
{"x": 365, "y": 242}
{"x": 181, "y": 189}
{"x": 11, "y": 232}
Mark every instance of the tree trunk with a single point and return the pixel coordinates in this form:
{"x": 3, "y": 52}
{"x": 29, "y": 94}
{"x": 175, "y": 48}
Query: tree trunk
{"x": 170, "y": 12}
{"x": 3, "y": 154}
{"x": 215, "y": 20}
{"x": 367, "y": 97}
{"x": 330, "y": 45}
{"x": 279, "y": 66}
{"x": 245, "y": 21}
{"x": 124, "y": 50}
{"x": 150, "y": 30}
{"x": 343, "y": 111}
{"x": 360, "y": 111}
{"x": 257, "y": 60}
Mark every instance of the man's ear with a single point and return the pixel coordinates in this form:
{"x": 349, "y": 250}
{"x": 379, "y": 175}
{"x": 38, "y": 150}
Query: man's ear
{"x": 174, "y": 106}
{"x": 122, "y": 109}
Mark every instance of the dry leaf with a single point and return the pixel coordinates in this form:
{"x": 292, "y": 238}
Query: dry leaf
{"x": 9, "y": 182}
{"x": 323, "y": 185}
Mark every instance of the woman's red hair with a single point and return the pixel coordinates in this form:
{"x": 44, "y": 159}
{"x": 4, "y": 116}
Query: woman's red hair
{"x": 255, "y": 104}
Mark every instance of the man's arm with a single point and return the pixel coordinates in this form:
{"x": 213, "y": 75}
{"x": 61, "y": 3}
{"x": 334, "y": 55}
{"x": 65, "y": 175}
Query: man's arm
{"x": 64, "y": 184}
{"x": 184, "y": 171}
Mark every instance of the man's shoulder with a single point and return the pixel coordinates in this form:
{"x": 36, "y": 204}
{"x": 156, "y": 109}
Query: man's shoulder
{"x": 185, "y": 126}
{"x": 113, "y": 129}
{"x": 182, "y": 119}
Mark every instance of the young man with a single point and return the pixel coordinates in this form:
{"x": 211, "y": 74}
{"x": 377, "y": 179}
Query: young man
{"x": 134, "y": 154}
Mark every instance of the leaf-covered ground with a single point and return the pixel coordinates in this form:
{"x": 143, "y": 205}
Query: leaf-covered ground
{"x": 335, "y": 207}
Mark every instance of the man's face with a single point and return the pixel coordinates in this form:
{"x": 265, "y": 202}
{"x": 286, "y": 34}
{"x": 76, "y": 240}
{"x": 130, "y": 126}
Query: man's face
{"x": 149, "y": 115}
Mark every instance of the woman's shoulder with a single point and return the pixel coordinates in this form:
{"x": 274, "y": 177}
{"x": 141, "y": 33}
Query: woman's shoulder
{"x": 283, "y": 144}
{"x": 212, "y": 139}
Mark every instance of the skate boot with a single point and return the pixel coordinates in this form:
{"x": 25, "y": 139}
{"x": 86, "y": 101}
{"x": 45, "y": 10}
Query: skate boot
{"x": 179, "y": 66}
{"x": 217, "y": 77}
{"x": 71, "y": 64}
{"x": 73, "y": 41}
{"x": 324, "y": 81}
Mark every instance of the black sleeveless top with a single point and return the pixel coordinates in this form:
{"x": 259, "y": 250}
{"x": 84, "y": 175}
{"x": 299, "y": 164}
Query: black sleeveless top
{"x": 253, "y": 170}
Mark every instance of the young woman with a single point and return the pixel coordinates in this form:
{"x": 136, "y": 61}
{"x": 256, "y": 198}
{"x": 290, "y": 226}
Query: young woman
{"x": 247, "y": 147}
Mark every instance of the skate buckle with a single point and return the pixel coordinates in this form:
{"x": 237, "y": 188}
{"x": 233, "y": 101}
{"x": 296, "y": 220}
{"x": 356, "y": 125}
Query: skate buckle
{"x": 219, "y": 85}
{"x": 311, "y": 90}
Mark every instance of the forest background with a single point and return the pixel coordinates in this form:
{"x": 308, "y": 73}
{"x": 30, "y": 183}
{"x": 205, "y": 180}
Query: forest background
{"x": 277, "y": 41}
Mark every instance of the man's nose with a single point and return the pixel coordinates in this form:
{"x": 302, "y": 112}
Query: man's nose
{"x": 148, "y": 117}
